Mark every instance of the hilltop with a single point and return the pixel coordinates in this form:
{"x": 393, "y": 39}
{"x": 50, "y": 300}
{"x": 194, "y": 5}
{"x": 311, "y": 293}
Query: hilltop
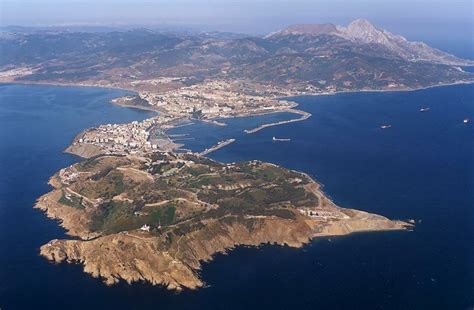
{"x": 156, "y": 218}
{"x": 361, "y": 31}
{"x": 142, "y": 213}
{"x": 301, "y": 58}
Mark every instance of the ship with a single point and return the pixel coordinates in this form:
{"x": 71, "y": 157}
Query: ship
{"x": 281, "y": 139}
{"x": 424, "y": 109}
{"x": 465, "y": 121}
{"x": 385, "y": 126}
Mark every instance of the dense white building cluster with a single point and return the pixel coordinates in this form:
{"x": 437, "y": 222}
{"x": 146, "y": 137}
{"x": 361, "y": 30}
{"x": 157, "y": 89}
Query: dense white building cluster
{"x": 134, "y": 137}
{"x": 219, "y": 98}
{"x": 207, "y": 101}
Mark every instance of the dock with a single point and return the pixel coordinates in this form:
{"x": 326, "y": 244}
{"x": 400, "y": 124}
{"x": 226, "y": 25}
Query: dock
{"x": 182, "y": 139}
{"x": 219, "y": 145}
{"x": 304, "y": 116}
{"x": 213, "y": 122}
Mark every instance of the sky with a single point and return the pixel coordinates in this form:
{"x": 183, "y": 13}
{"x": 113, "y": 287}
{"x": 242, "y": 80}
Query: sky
{"x": 256, "y": 16}
{"x": 415, "y": 19}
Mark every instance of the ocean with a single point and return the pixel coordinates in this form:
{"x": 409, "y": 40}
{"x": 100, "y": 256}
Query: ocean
{"x": 421, "y": 168}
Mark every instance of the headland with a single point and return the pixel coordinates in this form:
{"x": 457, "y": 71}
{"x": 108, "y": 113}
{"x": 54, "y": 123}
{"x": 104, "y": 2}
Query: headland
{"x": 155, "y": 218}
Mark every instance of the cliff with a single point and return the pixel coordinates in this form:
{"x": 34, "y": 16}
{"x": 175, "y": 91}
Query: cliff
{"x": 157, "y": 218}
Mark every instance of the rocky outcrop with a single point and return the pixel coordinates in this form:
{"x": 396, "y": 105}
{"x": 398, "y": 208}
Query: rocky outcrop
{"x": 121, "y": 256}
{"x": 135, "y": 223}
{"x": 84, "y": 150}
{"x": 135, "y": 256}
{"x": 363, "y": 32}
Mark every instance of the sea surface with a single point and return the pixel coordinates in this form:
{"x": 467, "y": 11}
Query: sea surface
{"x": 421, "y": 168}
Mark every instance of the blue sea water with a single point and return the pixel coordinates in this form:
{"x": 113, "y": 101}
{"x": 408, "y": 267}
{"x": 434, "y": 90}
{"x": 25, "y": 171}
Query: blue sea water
{"x": 421, "y": 168}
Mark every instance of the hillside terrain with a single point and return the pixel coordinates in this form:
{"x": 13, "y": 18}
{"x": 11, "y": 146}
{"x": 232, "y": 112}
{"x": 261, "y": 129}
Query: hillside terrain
{"x": 156, "y": 218}
{"x": 311, "y": 58}
{"x": 142, "y": 209}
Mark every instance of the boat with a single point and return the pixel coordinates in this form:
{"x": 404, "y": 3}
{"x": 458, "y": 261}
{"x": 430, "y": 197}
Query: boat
{"x": 424, "y": 109}
{"x": 281, "y": 139}
{"x": 385, "y": 126}
{"x": 465, "y": 121}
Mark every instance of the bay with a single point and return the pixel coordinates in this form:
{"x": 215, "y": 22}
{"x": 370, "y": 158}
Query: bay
{"x": 421, "y": 168}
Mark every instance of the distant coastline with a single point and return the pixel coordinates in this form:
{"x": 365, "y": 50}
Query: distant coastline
{"x": 49, "y": 250}
{"x": 289, "y": 98}
{"x": 302, "y": 94}
{"x": 305, "y": 115}
{"x": 74, "y": 220}
{"x": 403, "y": 89}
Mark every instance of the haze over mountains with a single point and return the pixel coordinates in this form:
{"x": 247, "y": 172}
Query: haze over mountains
{"x": 362, "y": 31}
{"x": 359, "y": 56}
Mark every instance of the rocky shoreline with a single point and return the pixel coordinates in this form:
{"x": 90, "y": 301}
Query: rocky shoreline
{"x": 137, "y": 255}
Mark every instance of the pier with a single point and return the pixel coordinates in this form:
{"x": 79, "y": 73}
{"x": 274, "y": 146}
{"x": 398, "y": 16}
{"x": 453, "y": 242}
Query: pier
{"x": 304, "y": 116}
{"x": 182, "y": 139}
{"x": 213, "y": 122}
{"x": 183, "y": 125}
{"x": 219, "y": 145}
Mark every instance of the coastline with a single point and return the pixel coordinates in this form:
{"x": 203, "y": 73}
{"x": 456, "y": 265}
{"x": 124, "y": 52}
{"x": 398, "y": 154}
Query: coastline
{"x": 395, "y": 90}
{"x": 288, "y": 98}
{"x": 301, "y": 94}
{"x": 213, "y": 121}
{"x": 135, "y": 255}
{"x": 81, "y": 251}
{"x": 59, "y": 84}
{"x": 130, "y": 106}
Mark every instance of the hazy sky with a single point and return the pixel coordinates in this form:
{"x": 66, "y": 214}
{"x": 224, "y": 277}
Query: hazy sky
{"x": 410, "y": 17}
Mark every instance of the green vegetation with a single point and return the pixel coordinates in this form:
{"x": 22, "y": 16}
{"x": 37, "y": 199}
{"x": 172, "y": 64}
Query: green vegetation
{"x": 198, "y": 169}
{"x": 284, "y": 60}
{"x": 198, "y": 190}
{"x": 71, "y": 200}
{"x": 162, "y": 216}
{"x": 101, "y": 174}
{"x": 114, "y": 216}
{"x": 106, "y": 187}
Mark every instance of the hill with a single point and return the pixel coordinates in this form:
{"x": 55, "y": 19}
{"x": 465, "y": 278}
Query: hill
{"x": 156, "y": 218}
{"x": 311, "y": 58}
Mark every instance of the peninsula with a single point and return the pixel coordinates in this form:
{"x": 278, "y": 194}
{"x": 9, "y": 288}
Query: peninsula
{"x": 141, "y": 211}
{"x": 208, "y": 78}
{"x": 155, "y": 218}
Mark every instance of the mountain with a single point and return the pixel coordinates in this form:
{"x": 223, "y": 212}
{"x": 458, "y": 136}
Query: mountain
{"x": 306, "y": 29}
{"x": 362, "y": 31}
{"x": 320, "y": 58}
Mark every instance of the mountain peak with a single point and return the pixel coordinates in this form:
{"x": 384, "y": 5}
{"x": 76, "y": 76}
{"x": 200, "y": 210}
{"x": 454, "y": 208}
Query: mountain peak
{"x": 362, "y": 29}
{"x": 361, "y": 24}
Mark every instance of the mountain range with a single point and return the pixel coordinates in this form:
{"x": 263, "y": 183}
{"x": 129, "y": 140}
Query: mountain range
{"x": 363, "y": 32}
{"x": 325, "y": 56}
